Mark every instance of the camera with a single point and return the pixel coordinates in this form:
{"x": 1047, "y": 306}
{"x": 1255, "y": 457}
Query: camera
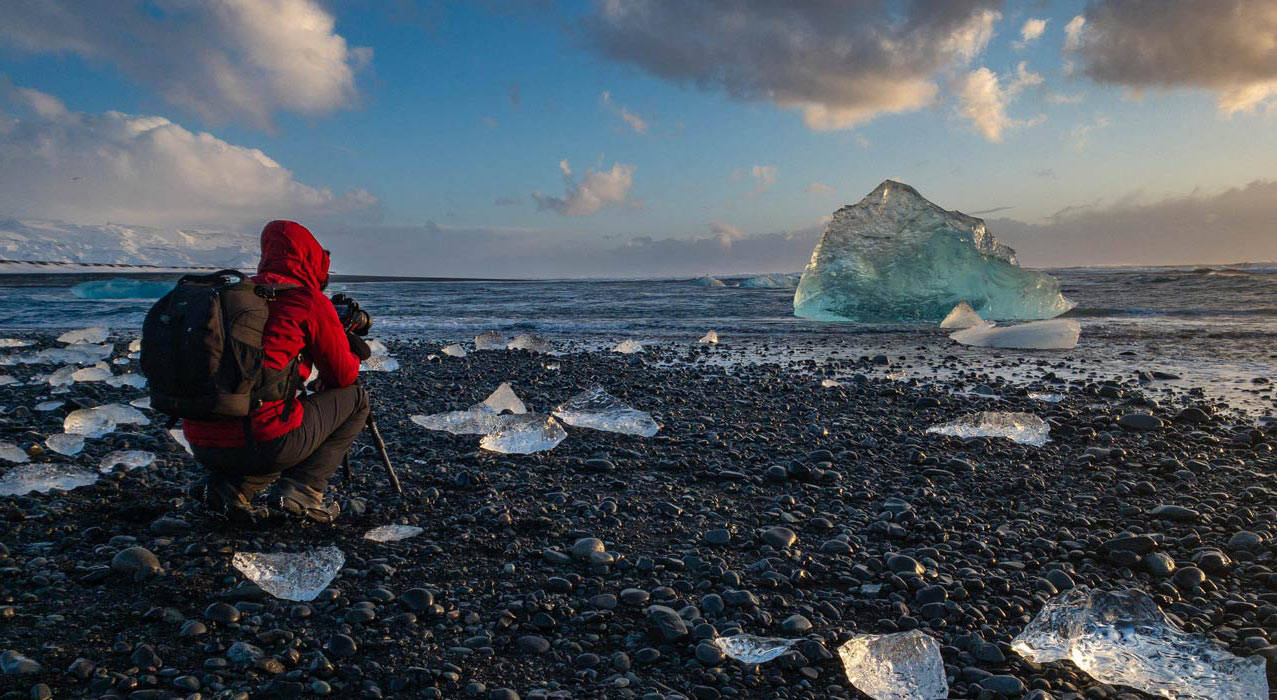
{"x": 353, "y": 318}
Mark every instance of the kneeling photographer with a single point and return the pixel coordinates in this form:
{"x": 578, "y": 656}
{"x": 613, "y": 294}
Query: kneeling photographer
{"x": 292, "y": 445}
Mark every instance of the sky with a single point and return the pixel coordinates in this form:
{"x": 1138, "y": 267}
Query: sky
{"x": 580, "y": 138}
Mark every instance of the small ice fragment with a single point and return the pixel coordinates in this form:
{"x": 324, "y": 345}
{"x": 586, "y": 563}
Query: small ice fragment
{"x": 123, "y": 415}
{"x": 91, "y": 374}
{"x": 380, "y": 363}
{"x": 1056, "y": 334}
{"x": 62, "y": 376}
{"x": 135, "y": 381}
{"x": 830, "y": 383}
{"x": 301, "y": 576}
{"x": 135, "y": 345}
{"x": 96, "y": 334}
{"x": 770, "y": 282}
{"x": 962, "y": 316}
{"x": 6, "y": 380}
{"x": 748, "y": 649}
{"x": 489, "y": 340}
{"x": 598, "y": 410}
{"x": 711, "y": 338}
{"x": 552, "y": 366}
{"x": 88, "y": 422}
{"x": 707, "y": 281}
{"x": 525, "y": 434}
{"x": 1046, "y": 396}
{"x": 902, "y": 666}
{"x": 1024, "y": 428}
{"x": 130, "y": 459}
{"x": 392, "y": 533}
{"x": 1123, "y": 638}
{"x": 15, "y": 343}
{"x": 65, "y": 444}
{"x": 180, "y": 438}
{"x": 504, "y": 399}
{"x": 46, "y": 406}
{"x": 10, "y": 452}
{"x": 531, "y": 343}
{"x": 628, "y": 347}
{"x": 144, "y": 402}
{"x": 453, "y": 350}
{"x": 39, "y": 478}
{"x": 376, "y": 347}
{"x": 121, "y": 361}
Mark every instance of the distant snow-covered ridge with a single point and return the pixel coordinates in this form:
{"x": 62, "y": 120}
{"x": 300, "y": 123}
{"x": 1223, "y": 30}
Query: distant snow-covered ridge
{"x": 23, "y": 243}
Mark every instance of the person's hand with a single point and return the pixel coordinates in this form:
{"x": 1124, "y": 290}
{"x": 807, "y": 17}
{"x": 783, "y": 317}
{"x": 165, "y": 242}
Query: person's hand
{"x": 359, "y": 346}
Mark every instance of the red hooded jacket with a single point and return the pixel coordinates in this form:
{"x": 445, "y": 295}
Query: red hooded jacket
{"x": 301, "y": 321}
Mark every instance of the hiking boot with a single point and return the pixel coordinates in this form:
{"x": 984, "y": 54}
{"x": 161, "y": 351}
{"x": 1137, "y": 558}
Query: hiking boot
{"x": 222, "y": 497}
{"x": 298, "y": 499}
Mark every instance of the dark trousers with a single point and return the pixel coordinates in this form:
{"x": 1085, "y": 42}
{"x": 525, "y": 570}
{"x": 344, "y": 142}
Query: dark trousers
{"x": 310, "y": 454}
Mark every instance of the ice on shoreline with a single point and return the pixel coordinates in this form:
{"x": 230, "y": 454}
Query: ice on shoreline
{"x": 1056, "y": 334}
{"x": 707, "y": 281}
{"x": 598, "y": 410}
{"x": 962, "y": 316}
{"x": 1024, "y": 428}
{"x": 489, "y": 340}
{"x": 453, "y": 350}
{"x": 41, "y": 478}
{"x": 525, "y": 434}
{"x": 10, "y": 452}
{"x": 628, "y": 347}
{"x": 129, "y": 459}
{"x": 901, "y": 666}
{"x": 298, "y": 576}
{"x": 711, "y": 338}
{"x": 1124, "y": 638}
{"x": 531, "y": 343}
{"x": 392, "y": 533}
{"x": 66, "y": 444}
{"x": 748, "y": 649}
{"x": 482, "y": 418}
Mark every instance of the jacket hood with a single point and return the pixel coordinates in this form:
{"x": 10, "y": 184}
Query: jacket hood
{"x": 291, "y": 254}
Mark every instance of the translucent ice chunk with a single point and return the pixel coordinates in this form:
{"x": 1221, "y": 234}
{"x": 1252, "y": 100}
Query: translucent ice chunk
{"x": 62, "y": 376}
{"x": 503, "y": 400}
{"x": 180, "y": 438}
{"x": 123, "y": 415}
{"x": 707, "y": 282}
{"x": 902, "y": 666}
{"x": 711, "y": 338}
{"x": 748, "y": 649}
{"x": 531, "y": 343}
{"x": 74, "y": 354}
{"x": 135, "y": 345}
{"x": 1056, "y": 334}
{"x": 144, "y": 402}
{"x": 830, "y": 383}
{"x": 628, "y": 347}
{"x": 489, "y": 340}
{"x": 962, "y": 316}
{"x": 1123, "y": 638}
{"x": 770, "y": 282}
{"x": 15, "y": 343}
{"x": 1024, "y": 428}
{"x": 895, "y": 256}
{"x": 598, "y": 410}
{"x": 91, "y": 374}
{"x": 135, "y": 381}
{"x": 129, "y": 459}
{"x": 46, "y": 406}
{"x": 525, "y": 434}
{"x": 453, "y": 350}
{"x": 301, "y": 576}
{"x": 96, "y": 334}
{"x": 6, "y": 380}
{"x": 1046, "y": 396}
{"x": 380, "y": 363}
{"x": 481, "y": 418}
{"x": 39, "y": 478}
{"x": 65, "y": 444}
{"x": 121, "y": 288}
{"x": 10, "y": 452}
{"x": 392, "y": 533}
{"x": 88, "y": 422}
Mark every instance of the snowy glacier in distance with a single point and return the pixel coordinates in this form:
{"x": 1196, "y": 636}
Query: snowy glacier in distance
{"x": 895, "y": 256}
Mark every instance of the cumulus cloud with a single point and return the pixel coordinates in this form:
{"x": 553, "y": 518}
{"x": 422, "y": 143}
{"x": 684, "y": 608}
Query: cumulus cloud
{"x": 764, "y": 177}
{"x": 596, "y": 190}
{"x": 224, "y": 60}
{"x": 1073, "y": 33}
{"x": 838, "y": 63}
{"x": 725, "y": 233}
{"x": 820, "y": 188}
{"x": 1031, "y": 31}
{"x": 983, "y": 100}
{"x": 634, "y": 121}
{"x": 1226, "y": 46}
{"x": 1207, "y": 228}
{"x": 95, "y": 168}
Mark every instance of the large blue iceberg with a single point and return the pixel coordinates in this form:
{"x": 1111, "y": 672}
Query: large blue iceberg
{"x": 895, "y": 256}
{"x": 121, "y": 288}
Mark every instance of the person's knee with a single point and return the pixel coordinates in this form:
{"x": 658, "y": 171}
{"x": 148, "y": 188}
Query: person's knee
{"x": 362, "y": 403}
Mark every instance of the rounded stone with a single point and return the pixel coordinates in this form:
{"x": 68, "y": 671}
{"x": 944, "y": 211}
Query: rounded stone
{"x": 781, "y": 537}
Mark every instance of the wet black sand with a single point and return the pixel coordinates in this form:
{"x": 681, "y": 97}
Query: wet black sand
{"x": 489, "y": 603}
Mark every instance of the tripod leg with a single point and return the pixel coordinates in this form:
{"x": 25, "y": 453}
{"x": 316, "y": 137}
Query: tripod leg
{"x": 345, "y": 468}
{"x": 385, "y": 456}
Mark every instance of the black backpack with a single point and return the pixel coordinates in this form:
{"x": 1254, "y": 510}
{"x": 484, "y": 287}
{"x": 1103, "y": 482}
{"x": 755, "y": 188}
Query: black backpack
{"x": 202, "y": 348}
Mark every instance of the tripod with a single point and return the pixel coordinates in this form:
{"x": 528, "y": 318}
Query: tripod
{"x": 385, "y": 456}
